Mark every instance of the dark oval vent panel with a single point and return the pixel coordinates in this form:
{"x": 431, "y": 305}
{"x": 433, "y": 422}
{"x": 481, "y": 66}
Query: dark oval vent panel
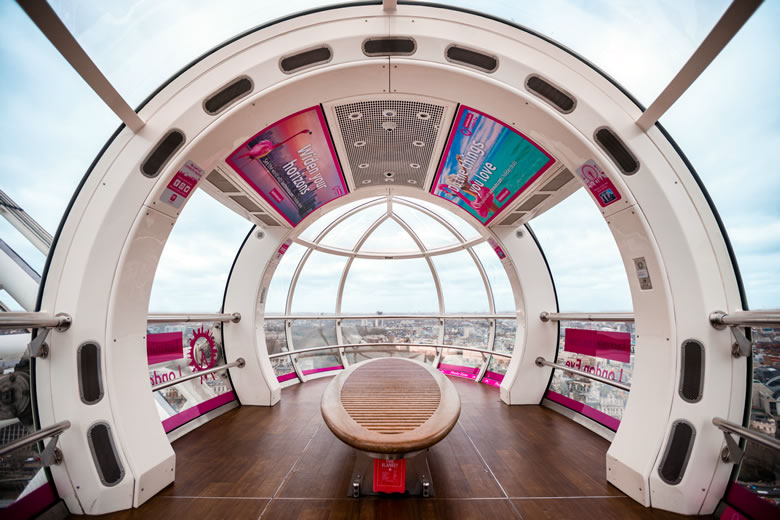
{"x": 389, "y": 47}
{"x": 678, "y": 451}
{"x": 612, "y": 144}
{"x": 90, "y": 381}
{"x": 692, "y": 371}
{"x": 302, "y": 60}
{"x": 559, "y": 99}
{"x": 472, "y": 58}
{"x": 101, "y": 444}
{"x": 167, "y": 146}
{"x": 227, "y": 95}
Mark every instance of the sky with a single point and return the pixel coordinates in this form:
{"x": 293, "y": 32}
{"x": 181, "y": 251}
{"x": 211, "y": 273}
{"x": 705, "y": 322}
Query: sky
{"x": 727, "y": 124}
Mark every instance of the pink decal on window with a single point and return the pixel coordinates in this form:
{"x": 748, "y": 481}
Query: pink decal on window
{"x": 599, "y": 343}
{"x": 286, "y": 377}
{"x": 749, "y": 503}
{"x": 30, "y": 504}
{"x": 492, "y": 378}
{"x": 459, "y": 371}
{"x": 164, "y": 346}
{"x": 588, "y": 411}
{"x": 318, "y": 370}
{"x": 189, "y": 414}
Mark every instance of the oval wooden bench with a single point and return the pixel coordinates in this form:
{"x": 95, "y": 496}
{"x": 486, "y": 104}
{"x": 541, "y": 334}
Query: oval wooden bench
{"x": 390, "y": 407}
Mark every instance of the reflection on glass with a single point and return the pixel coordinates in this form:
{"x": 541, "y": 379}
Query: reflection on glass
{"x": 389, "y": 237}
{"x": 347, "y": 233}
{"x": 320, "y": 223}
{"x": 176, "y": 350}
{"x": 466, "y": 230}
{"x": 276, "y": 297}
{"x": 318, "y": 284}
{"x": 390, "y": 286}
{"x": 495, "y": 371}
{"x": 601, "y": 402}
{"x": 433, "y": 234}
{"x": 760, "y": 468}
{"x": 461, "y": 283}
{"x": 503, "y": 297}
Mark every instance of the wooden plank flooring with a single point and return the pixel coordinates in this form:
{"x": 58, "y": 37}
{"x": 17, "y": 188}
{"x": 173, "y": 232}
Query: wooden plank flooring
{"x": 513, "y": 462}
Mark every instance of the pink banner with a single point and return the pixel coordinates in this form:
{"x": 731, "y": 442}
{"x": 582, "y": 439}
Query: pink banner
{"x": 286, "y": 377}
{"x": 749, "y": 503}
{"x": 492, "y": 378}
{"x": 31, "y": 504}
{"x": 598, "y": 343}
{"x": 165, "y": 346}
{"x": 459, "y": 371}
{"x": 189, "y": 414}
{"x": 588, "y": 411}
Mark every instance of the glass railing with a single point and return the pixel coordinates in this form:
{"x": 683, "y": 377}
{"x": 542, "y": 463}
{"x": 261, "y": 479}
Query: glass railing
{"x": 759, "y": 472}
{"x": 601, "y": 348}
{"x": 179, "y": 349}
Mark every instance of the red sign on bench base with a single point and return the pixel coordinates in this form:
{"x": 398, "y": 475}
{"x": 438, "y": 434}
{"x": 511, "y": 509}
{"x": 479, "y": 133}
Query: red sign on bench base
{"x": 389, "y": 476}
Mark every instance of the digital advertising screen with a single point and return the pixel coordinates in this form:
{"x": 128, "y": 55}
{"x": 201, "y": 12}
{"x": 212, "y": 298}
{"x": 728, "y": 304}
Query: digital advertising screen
{"x": 292, "y": 165}
{"x": 486, "y": 164}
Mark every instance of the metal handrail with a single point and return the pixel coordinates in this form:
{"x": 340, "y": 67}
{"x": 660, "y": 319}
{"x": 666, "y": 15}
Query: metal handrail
{"x": 763, "y": 318}
{"x": 541, "y": 362}
{"x": 34, "y": 320}
{"x": 186, "y": 318}
{"x": 391, "y": 316}
{"x": 50, "y": 431}
{"x": 587, "y": 316}
{"x": 751, "y": 435}
{"x": 237, "y": 363}
{"x": 361, "y": 345}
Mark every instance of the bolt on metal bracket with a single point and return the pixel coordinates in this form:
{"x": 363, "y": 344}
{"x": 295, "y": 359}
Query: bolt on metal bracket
{"x": 732, "y": 453}
{"x": 51, "y": 454}
{"x": 38, "y": 347}
{"x": 742, "y": 346}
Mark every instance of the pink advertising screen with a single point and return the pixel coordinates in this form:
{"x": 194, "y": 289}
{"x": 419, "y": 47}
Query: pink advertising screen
{"x": 487, "y": 164}
{"x": 292, "y": 165}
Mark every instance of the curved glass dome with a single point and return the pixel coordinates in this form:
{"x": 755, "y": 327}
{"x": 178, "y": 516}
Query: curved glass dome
{"x": 390, "y": 271}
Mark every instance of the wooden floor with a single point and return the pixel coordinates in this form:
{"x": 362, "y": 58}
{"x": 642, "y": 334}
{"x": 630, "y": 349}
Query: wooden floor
{"x": 498, "y": 462}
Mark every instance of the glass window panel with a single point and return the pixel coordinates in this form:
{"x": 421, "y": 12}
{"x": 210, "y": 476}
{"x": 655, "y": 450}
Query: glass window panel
{"x": 641, "y": 46}
{"x": 604, "y": 403}
{"x": 462, "y": 285}
{"x": 503, "y": 297}
{"x": 318, "y": 283}
{"x": 275, "y": 337}
{"x": 506, "y": 334}
{"x": 741, "y": 179}
{"x": 495, "y": 372}
{"x": 197, "y": 257}
{"x": 390, "y": 286}
{"x": 358, "y": 354}
{"x": 584, "y": 260}
{"x": 316, "y": 227}
{"x": 200, "y": 348}
{"x": 383, "y": 330}
{"x": 278, "y": 289}
{"x": 470, "y": 333}
{"x": 432, "y": 234}
{"x": 313, "y": 333}
{"x": 139, "y": 46}
{"x": 759, "y": 469}
{"x": 466, "y": 230}
{"x": 348, "y": 232}
{"x": 20, "y": 245}
{"x": 389, "y": 237}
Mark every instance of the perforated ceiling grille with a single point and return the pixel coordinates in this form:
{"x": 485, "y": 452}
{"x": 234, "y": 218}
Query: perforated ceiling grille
{"x": 389, "y": 142}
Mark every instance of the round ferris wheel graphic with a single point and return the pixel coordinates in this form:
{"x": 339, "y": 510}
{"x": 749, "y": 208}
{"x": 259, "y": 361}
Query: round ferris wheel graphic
{"x": 203, "y": 350}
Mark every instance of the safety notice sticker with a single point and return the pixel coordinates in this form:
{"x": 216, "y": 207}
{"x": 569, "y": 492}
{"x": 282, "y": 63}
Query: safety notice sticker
{"x": 598, "y": 183}
{"x": 182, "y": 184}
